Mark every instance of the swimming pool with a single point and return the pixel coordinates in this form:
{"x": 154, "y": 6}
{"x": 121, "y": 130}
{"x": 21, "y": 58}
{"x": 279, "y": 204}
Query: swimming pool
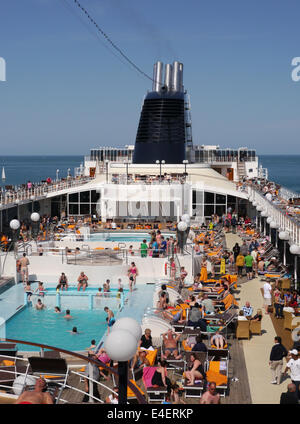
{"x": 50, "y": 328}
{"x": 124, "y": 237}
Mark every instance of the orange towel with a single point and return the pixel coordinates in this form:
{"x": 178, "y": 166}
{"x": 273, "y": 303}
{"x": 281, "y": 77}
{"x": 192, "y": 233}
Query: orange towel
{"x": 130, "y": 392}
{"x": 213, "y": 374}
{"x": 185, "y": 346}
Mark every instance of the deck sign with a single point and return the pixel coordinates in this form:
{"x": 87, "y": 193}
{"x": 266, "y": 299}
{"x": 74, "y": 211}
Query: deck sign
{"x": 2, "y": 69}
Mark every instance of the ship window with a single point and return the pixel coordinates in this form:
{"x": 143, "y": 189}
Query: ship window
{"x": 84, "y": 197}
{"x": 209, "y": 197}
{"x": 220, "y": 209}
{"x": 197, "y": 197}
{"x": 231, "y": 199}
{"x": 250, "y": 170}
{"x": 94, "y": 210}
{"x": 84, "y": 209}
{"x": 221, "y": 199}
{"x": 209, "y": 210}
{"x": 95, "y": 196}
{"x": 73, "y": 197}
{"x": 73, "y": 209}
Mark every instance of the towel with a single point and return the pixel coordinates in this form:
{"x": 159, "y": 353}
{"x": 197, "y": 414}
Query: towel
{"x": 213, "y": 373}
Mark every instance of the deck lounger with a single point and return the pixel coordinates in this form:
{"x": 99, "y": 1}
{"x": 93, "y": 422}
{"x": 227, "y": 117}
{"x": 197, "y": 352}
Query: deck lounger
{"x": 197, "y": 389}
{"x": 218, "y": 372}
{"x": 54, "y": 371}
{"x": 218, "y": 354}
{"x": 155, "y": 394}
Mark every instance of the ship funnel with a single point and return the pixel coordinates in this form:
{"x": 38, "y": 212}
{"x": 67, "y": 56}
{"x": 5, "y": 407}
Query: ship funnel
{"x": 168, "y": 77}
{"x": 177, "y": 79}
{"x": 157, "y": 76}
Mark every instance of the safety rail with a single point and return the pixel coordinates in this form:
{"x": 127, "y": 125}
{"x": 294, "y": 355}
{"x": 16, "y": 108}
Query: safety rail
{"x": 17, "y": 194}
{"x": 88, "y": 360}
{"x": 279, "y": 214}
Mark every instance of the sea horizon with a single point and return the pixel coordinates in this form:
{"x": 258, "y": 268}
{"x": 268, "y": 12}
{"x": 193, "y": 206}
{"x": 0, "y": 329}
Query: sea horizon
{"x": 284, "y": 169}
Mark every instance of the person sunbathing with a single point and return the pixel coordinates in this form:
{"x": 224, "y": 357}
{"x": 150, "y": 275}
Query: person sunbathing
{"x": 37, "y": 396}
{"x": 218, "y": 340}
{"x": 170, "y": 341}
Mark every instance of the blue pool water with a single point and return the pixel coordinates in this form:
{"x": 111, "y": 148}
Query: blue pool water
{"x": 124, "y": 237}
{"x": 50, "y": 328}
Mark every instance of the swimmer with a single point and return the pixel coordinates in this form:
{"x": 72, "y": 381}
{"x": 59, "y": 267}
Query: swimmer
{"x": 57, "y": 310}
{"x": 110, "y": 317}
{"x": 39, "y": 305}
{"x": 68, "y": 314}
{"x": 74, "y": 331}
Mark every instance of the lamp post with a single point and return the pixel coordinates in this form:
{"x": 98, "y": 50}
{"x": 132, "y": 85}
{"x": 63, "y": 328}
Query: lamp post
{"x": 14, "y": 225}
{"x": 160, "y": 162}
{"x": 183, "y": 228}
{"x": 35, "y": 218}
{"x": 106, "y": 169}
{"x": 185, "y": 162}
{"x": 126, "y": 163}
{"x": 284, "y": 235}
{"x": 275, "y": 226}
{"x": 121, "y": 345}
{"x": 295, "y": 250}
{"x": 69, "y": 173}
{"x": 57, "y": 172}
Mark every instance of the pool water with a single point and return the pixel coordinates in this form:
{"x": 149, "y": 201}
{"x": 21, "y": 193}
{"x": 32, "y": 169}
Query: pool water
{"x": 50, "y": 328}
{"x": 124, "y": 237}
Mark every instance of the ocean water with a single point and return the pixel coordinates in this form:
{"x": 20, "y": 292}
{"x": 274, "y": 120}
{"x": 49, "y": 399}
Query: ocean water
{"x": 20, "y": 169}
{"x": 284, "y": 169}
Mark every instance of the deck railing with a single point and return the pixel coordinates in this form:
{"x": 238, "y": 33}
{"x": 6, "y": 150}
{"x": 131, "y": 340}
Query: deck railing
{"x": 86, "y": 359}
{"x": 278, "y": 213}
{"x": 17, "y": 194}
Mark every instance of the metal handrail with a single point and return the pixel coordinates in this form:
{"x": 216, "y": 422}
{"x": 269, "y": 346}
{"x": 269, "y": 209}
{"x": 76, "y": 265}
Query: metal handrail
{"x": 97, "y": 362}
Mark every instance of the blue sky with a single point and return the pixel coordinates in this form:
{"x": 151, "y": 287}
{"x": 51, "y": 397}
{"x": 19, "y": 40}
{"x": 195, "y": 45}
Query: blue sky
{"x": 66, "y": 92}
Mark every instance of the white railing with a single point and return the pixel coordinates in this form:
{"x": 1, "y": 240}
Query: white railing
{"x": 279, "y": 215}
{"x": 17, "y": 195}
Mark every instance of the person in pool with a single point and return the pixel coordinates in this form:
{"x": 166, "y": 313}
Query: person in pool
{"x": 39, "y": 305}
{"x": 68, "y": 314}
{"x": 57, "y": 310}
{"x": 110, "y": 317}
{"x": 74, "y": 331}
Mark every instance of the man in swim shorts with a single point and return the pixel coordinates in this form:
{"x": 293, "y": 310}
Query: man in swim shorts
{"x": 110, "y": 317}
{"x": 37, "y": 396}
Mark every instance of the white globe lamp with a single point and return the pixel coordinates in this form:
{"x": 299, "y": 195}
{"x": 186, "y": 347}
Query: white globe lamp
{"x": 264, "y": 213}
{"x": 120, "y": 345}
{"x": 274, "y": 224}
{"x": 283, "y": 235}
{"x": 259, "y": 208}
{"x": 128, "y": 324}
{"x": 254, "y": 204}
{"x": 14, "y": 224}
{"x": 35, "y": 217}
{"x": 269, "y": 220}
{"x": 295, "y": 249}
{"x": 182, "y": 226}
{"x": 186, "y": 218}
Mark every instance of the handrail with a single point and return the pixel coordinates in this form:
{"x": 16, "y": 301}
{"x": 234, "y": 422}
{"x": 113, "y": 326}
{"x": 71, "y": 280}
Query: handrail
{"x": 140, "y": 398}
